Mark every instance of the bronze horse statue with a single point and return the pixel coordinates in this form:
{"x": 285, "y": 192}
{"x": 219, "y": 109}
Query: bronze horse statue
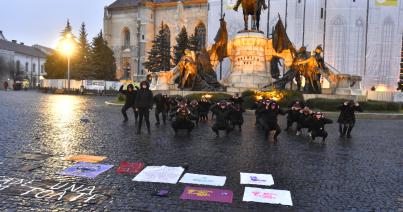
{"x": 252, "y": 8}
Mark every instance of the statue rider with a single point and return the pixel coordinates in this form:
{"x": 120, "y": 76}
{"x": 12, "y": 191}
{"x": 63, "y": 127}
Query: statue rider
{"x": 240, "y": 1}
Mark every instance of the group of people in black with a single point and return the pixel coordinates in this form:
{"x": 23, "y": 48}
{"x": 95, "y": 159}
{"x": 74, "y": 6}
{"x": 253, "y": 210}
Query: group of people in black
{"x": 228, "y": 114}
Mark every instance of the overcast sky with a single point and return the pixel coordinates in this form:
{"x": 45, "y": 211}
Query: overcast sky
{"x": 40, "y": 21}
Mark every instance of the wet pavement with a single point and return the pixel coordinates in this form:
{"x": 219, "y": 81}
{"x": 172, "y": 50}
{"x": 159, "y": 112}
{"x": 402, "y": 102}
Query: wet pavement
{"x": 362, "y": 174}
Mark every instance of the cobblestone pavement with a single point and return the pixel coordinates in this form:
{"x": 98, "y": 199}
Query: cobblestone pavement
{"x": 362, "y": 174}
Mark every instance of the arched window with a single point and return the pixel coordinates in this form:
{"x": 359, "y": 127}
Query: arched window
{"x": 337, "y": 43}
{"x": 126, "y": 38}
{"x": 18, "y": 66}
{"x": 200, "y": 33}
{"x": 359, "y": 48}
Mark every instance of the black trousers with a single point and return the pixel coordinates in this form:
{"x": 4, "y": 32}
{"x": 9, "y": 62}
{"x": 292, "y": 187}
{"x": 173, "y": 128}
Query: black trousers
{"x": 221, "y": 126}
{"x": 322, "y": 133}
{"x": 290, "y": 121}
{"x": 157, "y": 115}
{"x": 346, "y": 128}
{"x": 125, "y": 108}
{"x": 183, "y": 125}
{"x": 300, "y": 126}
{"x": 267, "y": 127}
{"x": 144, "y": 113}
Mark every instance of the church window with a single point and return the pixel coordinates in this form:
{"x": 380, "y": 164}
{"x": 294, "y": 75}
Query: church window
{"x": 200, "y": 32}
{"x": 26, "y": 67}
{"x": 126, "y": 38}
{"x": 337, "y": 43}
{"x": 386, "y": 51}
{"x": 17, "y": 66}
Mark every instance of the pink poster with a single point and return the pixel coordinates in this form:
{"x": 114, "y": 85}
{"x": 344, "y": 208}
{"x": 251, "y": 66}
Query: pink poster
{"x": 207, "y": 194}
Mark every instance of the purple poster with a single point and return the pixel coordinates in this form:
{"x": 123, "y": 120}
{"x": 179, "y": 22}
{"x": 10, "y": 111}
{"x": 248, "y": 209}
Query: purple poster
{"x": 84, "y": 169}
{"x": 207, "y": 194}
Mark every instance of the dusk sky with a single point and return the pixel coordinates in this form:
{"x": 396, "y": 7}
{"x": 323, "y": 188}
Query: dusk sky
{"x": 40, "y": 21}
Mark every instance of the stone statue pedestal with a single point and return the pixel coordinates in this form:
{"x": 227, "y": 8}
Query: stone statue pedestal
{"x": 249, "y": 65}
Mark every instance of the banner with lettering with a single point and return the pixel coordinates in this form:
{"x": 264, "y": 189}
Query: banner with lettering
{"x": 257, "y": 179}
{"x": 207, "y": 194}
{"x": 200, "y": 179}
{"x": 160, "y": 174}
{"x": 271, "y": 196}
{"x": 84, "y": 169}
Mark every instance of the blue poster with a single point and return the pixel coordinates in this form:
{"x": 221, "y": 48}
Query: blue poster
{"x": 83, "y": 169}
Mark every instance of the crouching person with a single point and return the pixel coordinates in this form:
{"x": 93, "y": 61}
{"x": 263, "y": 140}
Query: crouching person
{"x": 182, "y": 119}
{"x": 317, "y": 126}
{"x": 267, "y": 119}
{"x": 236, "y": 117}
{"x": 347, "y": 117}
{"x": 194, "y": 111}
{"x": 221, "y": 112}
{"x": 304, "y": 119}
{"x": 293, "y": 114}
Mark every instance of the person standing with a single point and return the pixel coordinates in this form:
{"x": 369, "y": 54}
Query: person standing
{"x": 143, "y": 104}
{"x": 221, "y": 112}
{"x": 204, "y": 108}
{"x": 194, "y": 111}
{"x": 5, "y": 84}
{"x": 130, "y": 95}
{"x": 317, "y": 126}
{"x": 346, "y": 118}
{"x": 267, "y": 118}
{"x": 161, "y": 106}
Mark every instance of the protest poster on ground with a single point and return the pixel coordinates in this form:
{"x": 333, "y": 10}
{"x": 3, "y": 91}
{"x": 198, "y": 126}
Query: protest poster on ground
{"x": 160, "y": 174}
{"x": 84, "y": 169}
{"x": 257, "y": 179}
{"x": 207, "y": 194}
{"x": 200, "y": 179}
{"x": 30, "y": 156}
{"x": 129, "y": 167}
{"x": 86, "y": 158}
{"x": 271, "y": 196}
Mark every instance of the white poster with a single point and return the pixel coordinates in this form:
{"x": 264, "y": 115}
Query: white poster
{"x": 160, "y": 174}
{"x": 271, "y": 196}
{"x": 200, "y": 179}
{"x": 257, "y": 179}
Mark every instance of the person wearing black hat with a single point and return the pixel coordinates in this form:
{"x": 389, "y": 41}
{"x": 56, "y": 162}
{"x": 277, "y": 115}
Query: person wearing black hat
{"x": 161, "y": 106}
{"x": 143, "y": 103}
{"x": 317, "y": 126}
{"x": 293, "y": 113}
{"x": 182, "y": 118}
{"x": 221, "y": 112}
{"x": 346, "y": 118}
{"x": 267, "y": 118}
{"x": 130, "y": 98}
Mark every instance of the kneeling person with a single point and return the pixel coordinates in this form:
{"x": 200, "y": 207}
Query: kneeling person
{"x": 221, "y": 112}
{"x": 268, "y": 119}
{"x": 182, "y": 119}
{"x": 317, "y": 126}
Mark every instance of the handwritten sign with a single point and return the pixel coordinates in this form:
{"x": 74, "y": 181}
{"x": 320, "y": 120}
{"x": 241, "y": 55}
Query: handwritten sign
{"x": 83, "y": 169}
{"x": 129, "y": 168}
{"x": 257, "y": 179}
{"x": 52, "y": 190}
{"x": 207, "y": 194}
{"x": 160, "y": 174}
{"x": 86, "y": 158}
{"x": 271, "y": 196}
{"x": 199, "y": 179}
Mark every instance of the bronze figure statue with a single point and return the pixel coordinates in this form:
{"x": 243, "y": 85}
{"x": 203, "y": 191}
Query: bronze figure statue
{"x": 252, "y": 8}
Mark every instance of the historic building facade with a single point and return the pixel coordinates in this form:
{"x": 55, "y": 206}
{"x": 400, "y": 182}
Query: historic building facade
{"x": 130, "y": 27}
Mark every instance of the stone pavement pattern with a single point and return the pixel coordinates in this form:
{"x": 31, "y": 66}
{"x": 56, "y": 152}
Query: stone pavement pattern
{"x": 362, "y": 174}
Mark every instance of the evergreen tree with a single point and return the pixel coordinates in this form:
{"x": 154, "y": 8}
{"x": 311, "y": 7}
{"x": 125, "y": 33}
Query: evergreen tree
{"x": 67, "y": 30}
{"x": 159, "y": 57}
{"x": 194, "y": 43}
{"x": 101, "y": 58}
{"x": 181, "y": 45}
{"x": 81, "y": 65}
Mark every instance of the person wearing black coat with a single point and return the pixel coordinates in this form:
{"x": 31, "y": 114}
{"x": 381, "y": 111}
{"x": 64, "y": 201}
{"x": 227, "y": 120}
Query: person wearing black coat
{"x": 221, "y": 112}
{"x": 304, "y": 119}
{"x": 161, "y": 106}
{"x": 130, "y": 99}
{"x": 317, "y": 126}
{"x": 293, "y": 113}
{"x": 346, "y": 118}
{"x": 143, "y": 104}
{"x": 267, "y": 119}
{"x": 204, "y": 108}
{"x": 194, "y": 111}
{"x": 236, "y": 117}
{"x": 182, "y": 119}
{"x": 237, "y": 100}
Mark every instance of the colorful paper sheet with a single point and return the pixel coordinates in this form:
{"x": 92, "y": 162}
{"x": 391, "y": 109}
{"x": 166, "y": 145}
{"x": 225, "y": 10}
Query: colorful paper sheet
{"x": 129, "y": 167}
{"x": 160, "y": 174}
{"x": 84, "y": 169}
{"x": 271, "y": 196}
{"x": 200, "y": 179}
{"x": 86, "y": 158}
{"x": 257, "y": 179}
{"x": 207, "y": 194}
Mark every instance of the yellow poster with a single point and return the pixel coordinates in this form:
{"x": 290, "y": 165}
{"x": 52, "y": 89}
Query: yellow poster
{"x": 386, "y": 3}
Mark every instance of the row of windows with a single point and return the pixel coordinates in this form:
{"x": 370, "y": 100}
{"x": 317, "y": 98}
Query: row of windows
{"x": 18, "y": 67}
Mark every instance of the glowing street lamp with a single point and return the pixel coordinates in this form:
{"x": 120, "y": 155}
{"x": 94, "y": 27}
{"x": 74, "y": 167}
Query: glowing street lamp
{"x": 67, "y": 48}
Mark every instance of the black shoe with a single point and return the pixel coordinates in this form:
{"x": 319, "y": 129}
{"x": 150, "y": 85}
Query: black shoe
{"x": 157, "y": 123}
{"x": 125, "y": 120}
{"x": 349, "y": 136}
{"x": 266, "y": 134}
{"x": 138, "y": 132}
{"x": 217, "y": 133}
{"x": 342, "y": 135}
{"x": 149, "y": 131}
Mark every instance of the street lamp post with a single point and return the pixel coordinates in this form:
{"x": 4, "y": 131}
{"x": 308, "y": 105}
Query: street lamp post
{"x": 67, "y": 48}
{"x": 68, "y": 72}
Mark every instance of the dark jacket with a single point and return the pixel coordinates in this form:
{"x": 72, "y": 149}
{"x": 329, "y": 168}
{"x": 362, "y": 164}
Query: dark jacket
{"x": 304, "y": 119}
{"x": 144, "y": 98}
{"x": 204, "y": 107}
{"x": 317, "y": 125}
{"x": 182, "y": 114}
{"x": 269, "y": 115}
{"x": 194, "y": 111}
{"x": 236, "y": 114}
{"x": 130, "y": 96}
{"x": 221, "y": 115}
{"x": 293, "y": 113}
{"x": 161, "y": 102}
{"x": 347, "y": 114}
